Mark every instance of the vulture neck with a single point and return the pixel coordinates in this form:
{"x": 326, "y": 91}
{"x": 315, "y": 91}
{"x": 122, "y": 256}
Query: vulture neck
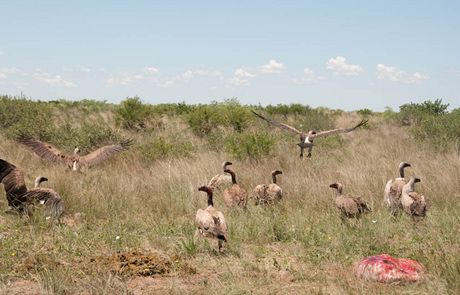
{"x": 233, "y": 175}
{"x": 401, "y": 171}
{"x": 210, "y": 202}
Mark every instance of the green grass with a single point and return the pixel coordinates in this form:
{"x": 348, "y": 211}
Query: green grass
{"x": 298, "y": 246}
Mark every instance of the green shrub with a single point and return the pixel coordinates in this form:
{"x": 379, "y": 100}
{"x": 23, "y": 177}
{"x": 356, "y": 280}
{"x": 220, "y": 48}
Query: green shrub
{"x": 131, "y": 114}
{"x": 204, "y": 119}
{"x": 20, "y": 115}
{"x": 250, "y": 145}
{"x": 86, "y": 137}
{"x": 167, "y": 148}
{"x": 413, "y": 113}
{"x": 440, "y": 129}
{"x": 365, "y": 112}
{"x": 172, "y": 109}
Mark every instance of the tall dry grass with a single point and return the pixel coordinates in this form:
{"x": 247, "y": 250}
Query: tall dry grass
{"x": 296, "y": 247}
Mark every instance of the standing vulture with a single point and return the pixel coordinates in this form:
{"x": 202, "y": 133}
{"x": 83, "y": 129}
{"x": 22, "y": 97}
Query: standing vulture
{"x": 306, "y": 138}
{"x": 20, "y": 198}
{"x": 75, "y": 161}
{"x": 349, "y": 206}
{"x": 211, "y": 222}
{"x": 393, "y": 190}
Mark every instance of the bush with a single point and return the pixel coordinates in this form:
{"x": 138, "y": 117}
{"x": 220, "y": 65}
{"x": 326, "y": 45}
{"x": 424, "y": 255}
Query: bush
{"x": 440, "y": 129}
{"x": 413, "y": 113}
{"x": 172, "y": 109}
{"x": 365, "y": 112}
{"x": 86, "y": 137}
{"x": 204, "y": 119}
{"x": 167, "y": 148}
{"x": 249, "y": 145}
{"x": 131, "y": 114}
{"x": 20, "y": 115}
{"x": 301, "y": 117}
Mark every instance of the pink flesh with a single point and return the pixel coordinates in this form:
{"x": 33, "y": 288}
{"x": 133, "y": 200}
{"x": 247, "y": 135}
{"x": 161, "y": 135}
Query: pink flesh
{"x": 384, "y": 268}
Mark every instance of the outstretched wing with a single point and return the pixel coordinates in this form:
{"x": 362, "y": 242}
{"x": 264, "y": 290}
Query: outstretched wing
{"x": 13, "y": 179}
{"x": 339, "y": 130}
{"x": 44, "y": 150}
{"x": 104, "y": 153}
{"x": 277, "y": 124}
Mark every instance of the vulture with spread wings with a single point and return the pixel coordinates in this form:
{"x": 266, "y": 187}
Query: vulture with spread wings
{"x": 306, "y": 138}
{"x": 75, "y": 161}
{"x": 21, "y": 199}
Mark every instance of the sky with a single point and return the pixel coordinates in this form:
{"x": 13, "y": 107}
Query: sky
{"x": 337, "y": 54}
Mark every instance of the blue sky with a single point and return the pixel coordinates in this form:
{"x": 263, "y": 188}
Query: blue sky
{"x": 339, "y": 54}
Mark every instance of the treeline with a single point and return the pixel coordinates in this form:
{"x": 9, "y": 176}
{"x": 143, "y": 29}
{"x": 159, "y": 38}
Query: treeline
{"x": 219, "y": 126}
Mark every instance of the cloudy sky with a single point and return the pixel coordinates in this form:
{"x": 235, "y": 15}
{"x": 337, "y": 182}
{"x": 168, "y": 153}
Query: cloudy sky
{"x": 339, "y": 54}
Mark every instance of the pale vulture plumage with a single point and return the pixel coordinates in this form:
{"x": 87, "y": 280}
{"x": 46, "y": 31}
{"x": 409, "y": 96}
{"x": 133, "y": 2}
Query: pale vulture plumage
{"x": 413, "y": 203}
{"x": 221, "y": 181}
{"x": 235, "y": 196}
{"x": 268, "y": 193}
{"x": 393, "y": 189}
{"x": 306, "y": 138}
{"x": 211, "y": 222}
{"x": 349, "y": 206}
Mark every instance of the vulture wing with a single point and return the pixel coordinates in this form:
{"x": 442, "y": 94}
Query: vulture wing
{"x": 45, "y": 150}
{"x": 104, "y": 153}
{"x": 339, "y": 130}
{"x": 277, "y": 124}
{"x": 13, "y": 180}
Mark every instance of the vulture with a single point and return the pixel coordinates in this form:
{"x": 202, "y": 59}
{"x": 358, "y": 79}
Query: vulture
{"x": 306, "y": 138}
{"x": 393, "y": 189}
{"x": 221, "y": 181}
{"x": 211, "y": 222}
{"x": 21, "y": 199}
{"x": 235, "y": 196}
{"x": 349, "y": 206}
{"x": 75, "y": 161}
{"x": 413, "y": 203}
{"x": 268, "y": 193}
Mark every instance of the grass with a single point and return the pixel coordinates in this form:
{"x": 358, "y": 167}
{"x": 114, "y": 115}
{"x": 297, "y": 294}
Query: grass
{"x": 298, "y": 246}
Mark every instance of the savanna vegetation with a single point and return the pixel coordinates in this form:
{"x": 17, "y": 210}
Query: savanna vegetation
{"x": 129, "y": 225}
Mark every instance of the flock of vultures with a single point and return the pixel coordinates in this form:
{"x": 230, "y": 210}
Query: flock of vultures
{"x": 399, "y": 193}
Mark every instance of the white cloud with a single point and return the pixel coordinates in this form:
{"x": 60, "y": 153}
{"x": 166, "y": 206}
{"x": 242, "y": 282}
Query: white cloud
{"x": 151, "y": 70}
{"x": 309, "y": 77}
{"x": 2, "y": 76}
{"x": 190, "y": 74}
{"x": 125, "y": 80}
{"x": 52, "y": 80}
{"x": 339, "y": 66}
{"x": 272, "y": 67}
{"x": 2, "y": 52}
{"x": 78, "y": 69}
{"x": 394, "y": 74}
{"x": 241, "y": 77}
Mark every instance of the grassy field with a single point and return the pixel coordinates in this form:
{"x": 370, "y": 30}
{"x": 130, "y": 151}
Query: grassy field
{"x": 129, "y": 223}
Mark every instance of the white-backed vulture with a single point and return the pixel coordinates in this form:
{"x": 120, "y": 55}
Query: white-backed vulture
{"x": 211, "y": 222}
{"x": 221, "y": 181}
{"x": 413, "y": 203}
{"x": 20, "y": 198}
{"x": 235, "y": 196}
{"x": 75, "y": 161}
{"x": 349, "y": 206}
{"x": 306, "y": 138}
{"x": 268, "y": 193}
{"x": 393, "y": 189}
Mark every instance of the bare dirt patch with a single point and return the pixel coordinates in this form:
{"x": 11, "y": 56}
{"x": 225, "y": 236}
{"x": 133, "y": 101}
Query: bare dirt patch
{"x": 21, "y": 287}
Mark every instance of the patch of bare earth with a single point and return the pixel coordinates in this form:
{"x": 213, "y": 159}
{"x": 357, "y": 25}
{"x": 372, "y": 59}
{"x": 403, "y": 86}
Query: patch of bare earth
{"x": 21, "y": 287}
